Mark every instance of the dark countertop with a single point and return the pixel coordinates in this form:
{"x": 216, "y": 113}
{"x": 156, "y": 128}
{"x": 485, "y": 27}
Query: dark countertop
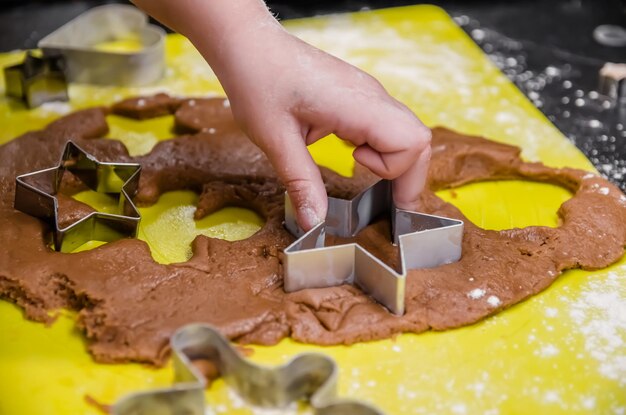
{"x": 545, "y": 47}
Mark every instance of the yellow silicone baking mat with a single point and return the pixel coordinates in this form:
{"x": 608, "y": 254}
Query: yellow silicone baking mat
{"x": 561, "y": 352}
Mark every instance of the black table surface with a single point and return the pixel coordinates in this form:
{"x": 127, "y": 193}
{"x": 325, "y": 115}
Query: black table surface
{"x": 545, "y": 47}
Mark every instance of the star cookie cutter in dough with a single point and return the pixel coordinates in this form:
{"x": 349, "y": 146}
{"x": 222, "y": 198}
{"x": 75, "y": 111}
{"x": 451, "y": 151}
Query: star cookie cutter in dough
{"x": 424, "y": 241}
{"x": 35, "y": 194}
{"x": 309, "y": 376}
{"x": 36, "y": 80}
{"x": 80, "y": 43}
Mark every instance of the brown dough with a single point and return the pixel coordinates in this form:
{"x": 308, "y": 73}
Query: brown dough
{"x": 142, "y": 108}
{"x": 129, "y": 305}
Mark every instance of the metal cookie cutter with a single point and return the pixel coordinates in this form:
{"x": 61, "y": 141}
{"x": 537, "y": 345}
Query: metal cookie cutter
{"x": 37, "y": 80}
{"x": 78, "y": 41}
{"x": 308, "y": 376}
{"x": 35, "y": 194}
{"x": 424, "y": 241}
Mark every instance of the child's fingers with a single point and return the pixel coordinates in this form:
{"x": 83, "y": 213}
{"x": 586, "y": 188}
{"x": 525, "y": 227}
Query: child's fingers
{"x": 408, "y": 186}
{"x": 300, "y": 175}
{"x": 391, "y": 142}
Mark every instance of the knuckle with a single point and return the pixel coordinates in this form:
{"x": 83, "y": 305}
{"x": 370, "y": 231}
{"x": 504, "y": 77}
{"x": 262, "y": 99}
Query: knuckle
{"x": 387, "y": 175}
{"x": 421, "y": 140}
{"x": 426, "y": 135}
{"x": 389, "y": 170}
{"x": 369, "y": 82}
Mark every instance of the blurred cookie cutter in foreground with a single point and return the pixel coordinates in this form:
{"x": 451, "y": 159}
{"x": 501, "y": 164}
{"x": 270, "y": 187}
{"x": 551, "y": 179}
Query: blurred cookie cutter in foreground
{"x": 37, "y": 80}
{"x": 424, "y": 241}
{"x": 35, "y": 194}
{"x": 78, "y": 42}
{"x": 308, "y": 376}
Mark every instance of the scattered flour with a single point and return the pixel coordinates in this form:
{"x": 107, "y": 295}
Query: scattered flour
{"x": 494, "y": 301}
{"x": 476, "y": 293}
{"x": 548, "y": 350}
{"x": 56, "y": 107}
{"x": 478, "y": 388}
{"x": 599, "y": 315}
{"x": 506, "y": 117}
{"x": 588, "y": 402}
{"x": 459, "y": 409}
{"x": 237, "y": 402}
{"x": 551, "y": 312}
{"x": 552, "y": 397}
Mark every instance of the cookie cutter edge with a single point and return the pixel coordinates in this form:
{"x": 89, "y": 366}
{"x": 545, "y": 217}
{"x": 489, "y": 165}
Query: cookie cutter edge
{"x": 309, "y": 376}
{"x": 37, "y": 80}
{"x": 424, "y": 241}
{"x": 76, "y": 41}
{"x": 35, "y": 194}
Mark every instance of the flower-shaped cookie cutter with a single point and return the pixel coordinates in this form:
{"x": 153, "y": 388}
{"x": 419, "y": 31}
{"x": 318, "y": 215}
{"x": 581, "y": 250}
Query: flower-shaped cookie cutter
{"x": 424, "y": 241}
{"x": 35, "y": 194}
{"x": 309, "y": 376}
{"x": 37, "y": 80}
{"x": 79, "y": 42}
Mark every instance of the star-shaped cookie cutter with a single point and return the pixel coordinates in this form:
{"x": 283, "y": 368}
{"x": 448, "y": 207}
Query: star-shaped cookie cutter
{"x": 309, "y": 376}
{"x": 37, "y": 80}
{"x": 424, "y": 241}
{"x": 35, "y": 194}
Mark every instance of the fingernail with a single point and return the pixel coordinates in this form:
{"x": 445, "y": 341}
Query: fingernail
{"x": 308, "y": 217}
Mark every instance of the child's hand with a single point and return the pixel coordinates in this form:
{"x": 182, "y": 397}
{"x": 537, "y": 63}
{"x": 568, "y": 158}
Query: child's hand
{"x": 286, "y": 94}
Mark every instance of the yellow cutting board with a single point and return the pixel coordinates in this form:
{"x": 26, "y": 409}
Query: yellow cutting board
{"x": 561, "y": 352}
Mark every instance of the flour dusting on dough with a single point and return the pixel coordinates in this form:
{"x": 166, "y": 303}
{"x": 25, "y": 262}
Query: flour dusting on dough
{"x": 476, "y": 293}
{"x": 494, "y": 301}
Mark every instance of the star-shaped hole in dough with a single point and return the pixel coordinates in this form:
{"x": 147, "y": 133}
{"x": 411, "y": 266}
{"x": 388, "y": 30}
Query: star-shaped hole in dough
{"x": 36, "y": 194}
